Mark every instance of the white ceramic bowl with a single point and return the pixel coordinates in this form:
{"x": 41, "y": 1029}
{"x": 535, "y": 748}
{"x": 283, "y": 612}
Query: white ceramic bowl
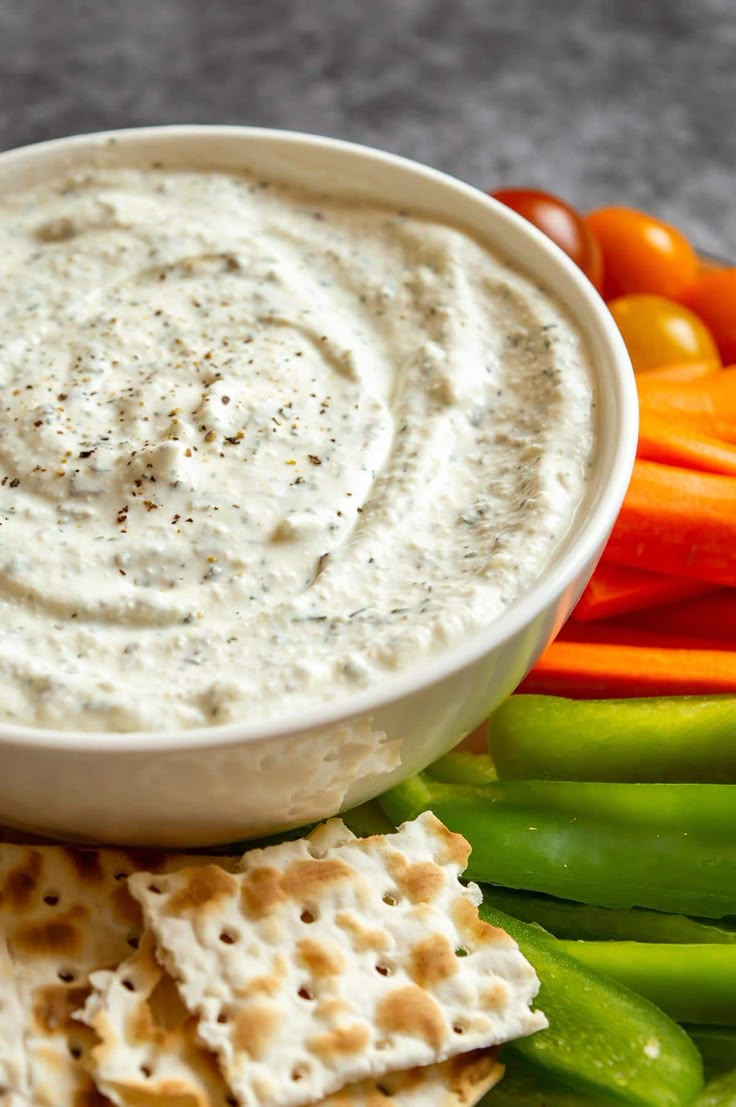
{"x": 221, "y": 783}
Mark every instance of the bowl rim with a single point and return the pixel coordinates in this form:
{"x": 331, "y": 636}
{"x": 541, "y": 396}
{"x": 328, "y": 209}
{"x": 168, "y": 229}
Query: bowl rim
{"x": 554, "y": 578}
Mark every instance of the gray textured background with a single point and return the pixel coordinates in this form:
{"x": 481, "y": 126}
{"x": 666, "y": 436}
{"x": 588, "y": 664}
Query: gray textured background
{"x": 599, "y": 100}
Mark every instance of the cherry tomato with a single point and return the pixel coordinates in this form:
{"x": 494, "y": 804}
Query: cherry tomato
{"x": 661, "y": 332}
{"x": 559, "y": 222}
{"x": 713, "y": 299}
{"x": 642, "y": 254}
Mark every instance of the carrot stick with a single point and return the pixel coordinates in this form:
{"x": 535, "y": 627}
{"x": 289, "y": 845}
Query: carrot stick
{"x": 676, "y": 441}
{"x": 710, "y": 402}
{"x": 617, "y": 590}
{"x": 712, "y": 616}
{"x": 677, "y": 521}
{"x": 596, "y": 670}
{"x": 680, "y": 371}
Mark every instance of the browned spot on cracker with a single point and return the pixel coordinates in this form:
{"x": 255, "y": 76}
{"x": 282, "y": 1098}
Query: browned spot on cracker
{"x": 465, "y": 916}
{"x": 124, "y": 908}
{"x": 455, "y": 848}
{"x": 419, "y": 882}
{"x": 87, "y": 864}
{"x": 304, "y": 880}
{"x": 259, "y": 986}
{"x": 330, "y": 1008}
{"x": 495, "y": 995}
{"x": 202, "y": 888}
{"x": 21, "y": 882}
{"x": 254, "y": 1027}
{"x": 410, "y": 1010}
{"x": 62, "y": 934}
{"x": 260, "y": 892}
{"x": 362, "y": 937}
{"x": 54, "y": 1005}
{"x": 90, "y": 1097}
{"x": 319, "y": 960}
{"x": 343, "y": 1040}
{"x": 431, "y": 961}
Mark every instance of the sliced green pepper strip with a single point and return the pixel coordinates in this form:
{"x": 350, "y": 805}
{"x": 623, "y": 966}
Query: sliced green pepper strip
{"x": 658, "y": 739}
{"x": 720, "y": 1092}
{"x": 524, "y": 1085}
{"x": 671, "y": 847}
{"x": 692, "y": 983}
{"x": 463, "y": 767}
{"x": 367, "y": 819}
{"x": 567, "y": 919}
{"x": 716, "y": 1045}
{"x": 602, "y": 1038}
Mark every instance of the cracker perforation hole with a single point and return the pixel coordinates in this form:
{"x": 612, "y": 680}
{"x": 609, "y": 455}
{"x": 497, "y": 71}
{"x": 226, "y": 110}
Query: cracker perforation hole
{"x": 390, "y": 899}
{"x": 134, "y": 941}
{"x": 75, "y": 1050}
{"x": 384, "y": 1090}
{"x": 299, "y": 1072}
{"x": 383, "y": 969}
{"x": 128, "y": 984}
{"x": 228, "y": 937}
{"x": 223, "y": 1018}
{"x": 67, "y": 976}
{"x": 459, "y": 1027}
{"x": 305, "y": 993}
{"x": 155, "y": 889}
{"x": 146, "y": 1071}
{"x": 51, "y": 899}
{"x": 308, "y": 916}
{"x": 120, "y": 875}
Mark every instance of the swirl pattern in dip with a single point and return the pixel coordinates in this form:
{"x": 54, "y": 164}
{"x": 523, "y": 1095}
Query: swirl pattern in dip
{"x": 260, "y": 448}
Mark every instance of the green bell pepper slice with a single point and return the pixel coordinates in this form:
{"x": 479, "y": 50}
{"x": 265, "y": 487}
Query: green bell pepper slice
{"x": 692, "y": 983}
{"x": 463, "y": 767}
{"x": 658, "y": 739}
{"x": 720, "y": 1092}
{"x": 671, "y": 847}
{"x": 587, "y": 922}
{"x": 602, "y": 1038}
{"x": 716, "y": 1045}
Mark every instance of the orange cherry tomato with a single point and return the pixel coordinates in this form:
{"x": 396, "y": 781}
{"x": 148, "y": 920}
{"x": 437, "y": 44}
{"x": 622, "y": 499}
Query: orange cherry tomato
{"x": 642, "y": 254}
{"x": 661, "y": 332}
{"x": 713, "y": 299}
{"x": 561, "y": 223}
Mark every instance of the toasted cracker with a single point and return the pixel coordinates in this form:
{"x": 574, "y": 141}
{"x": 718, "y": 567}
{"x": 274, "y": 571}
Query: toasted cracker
{"x": 63, "y": 913}
{"x": 149, "y": 1052}
{"x": 319, "y": 965}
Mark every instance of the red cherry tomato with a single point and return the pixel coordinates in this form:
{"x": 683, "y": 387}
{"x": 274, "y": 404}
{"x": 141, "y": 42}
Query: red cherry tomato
{"x": 642, "y": 254}
{"x": 713, "y": 299}
{"x": 661, "y": 332}
{"x": 559, "y": 222}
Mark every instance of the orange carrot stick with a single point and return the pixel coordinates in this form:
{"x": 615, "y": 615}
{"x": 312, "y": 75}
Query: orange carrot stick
{"x": 681, "y": 441}
{"x": 709, "y": 402}
{"x": 677, "y": 521}
{"x": 681, "y": 371}
{"x": 617, "y": 590}
{"x": 596, "y": 670}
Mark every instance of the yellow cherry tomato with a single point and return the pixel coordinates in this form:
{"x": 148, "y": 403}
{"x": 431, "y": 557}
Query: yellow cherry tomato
{"x": 658, "y": 332}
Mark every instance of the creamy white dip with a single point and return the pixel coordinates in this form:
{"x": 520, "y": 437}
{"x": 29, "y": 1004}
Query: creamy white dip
{"x": 259, "y": 448}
